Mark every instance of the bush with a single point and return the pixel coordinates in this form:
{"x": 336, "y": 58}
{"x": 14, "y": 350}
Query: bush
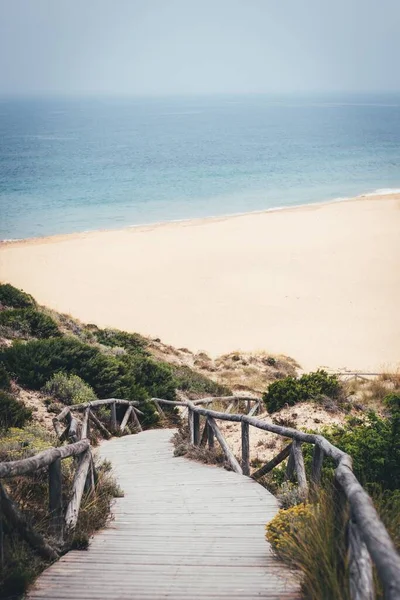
{"x": 310, "y": 386}
{"x": 15, "y": 298}
{"x": 29, "y": 322}
{"x": 13, "y": 413}
{"x": 69, "y": 389}
{"x": 131, "y": 342}
{"x": 5, "y": 381}
{"x": 197, "y": 384}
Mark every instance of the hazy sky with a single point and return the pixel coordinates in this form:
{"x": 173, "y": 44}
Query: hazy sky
{"x": 198, "y": 46}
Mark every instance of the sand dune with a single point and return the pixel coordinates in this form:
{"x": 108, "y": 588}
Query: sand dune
{"x": 320, "y": 283}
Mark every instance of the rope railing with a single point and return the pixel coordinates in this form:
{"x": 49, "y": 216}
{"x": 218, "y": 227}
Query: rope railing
{"x": 368, "y": 539}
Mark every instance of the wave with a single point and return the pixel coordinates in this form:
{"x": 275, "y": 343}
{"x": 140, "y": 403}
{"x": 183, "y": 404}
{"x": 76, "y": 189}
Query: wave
{"x": 384, "y": 192}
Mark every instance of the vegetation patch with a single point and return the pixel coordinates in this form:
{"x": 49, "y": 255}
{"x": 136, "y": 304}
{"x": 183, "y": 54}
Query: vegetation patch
{"x": 291, "y": 390}
{"x": 69, "y": 389}
{"x": 29, "y": 322}
{"x": 15, "y": 298}
{"x": 196, "y": 384}
{"x": 13, "y": 413}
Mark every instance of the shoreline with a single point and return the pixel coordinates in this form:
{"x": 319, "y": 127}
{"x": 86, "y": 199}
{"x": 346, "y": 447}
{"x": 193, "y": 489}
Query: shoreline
{"x": 380, "y": 193}
{"x": 317, "y": 282}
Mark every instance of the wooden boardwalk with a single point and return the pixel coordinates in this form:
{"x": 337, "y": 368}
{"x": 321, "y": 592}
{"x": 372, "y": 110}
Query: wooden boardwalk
{"x": 183, "y": 530}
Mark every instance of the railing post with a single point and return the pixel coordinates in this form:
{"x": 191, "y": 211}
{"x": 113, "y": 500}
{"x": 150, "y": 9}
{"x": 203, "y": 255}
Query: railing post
{"x": 55, "y": 496}
{"x": 196, "y": 428}
{"x": 210, "y": 436}
{"x": 317, "y": 461}
{"x": 300, "y": 469}
{"x": 191, "y": 426}
{"x": 113, "y": 416}
{"x": 340, "y": 523}
{"x": 290, "y": 465}
{"x": 245, "y": 448}
{"x": 360, "y": 565}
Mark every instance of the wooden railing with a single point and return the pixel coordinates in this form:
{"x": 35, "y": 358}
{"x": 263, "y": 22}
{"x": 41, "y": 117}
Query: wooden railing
{"x": 63, "y": 522}
{"x": 368, "y": 540}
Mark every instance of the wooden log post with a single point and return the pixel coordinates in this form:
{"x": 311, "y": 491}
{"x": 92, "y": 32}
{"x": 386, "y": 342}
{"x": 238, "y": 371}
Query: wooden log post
{"x": 84, "y": 428}
{"x": 204, "y": 435}
{"x": 227, "y": 451}
{"x": 136, "y": 421}
{"x": 99, "y": 425}
{"x": 245, "y": 448}
{"x": 273, "y": 462}
{"x": 360, "y": 565}
{"x": 59, "y": 429}
{"x": 73, "y": 428}
{"x": 254, "y": 410}
{"x": 210, "y": 436}
{"x": 159, "y": 409}
{"x": 113, "y": 416}
{"x": 290, "y": 466}
{"x": 32, "y": 537}
{"x": 300, "y": 469}
{"x": 55, "y": 497}
{"x": 230, "y": 406}
{"x": 340, "y": 524}
{"x": 317, "y": 462}
{"x": 126, "y": 418}
{"x": 191, "y": 426}
{"x": 196, "y": 428}
{"x": 81, "y": 473}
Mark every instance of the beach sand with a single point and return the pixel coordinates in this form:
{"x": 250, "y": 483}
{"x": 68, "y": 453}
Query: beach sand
{"x": 320, "y": 283}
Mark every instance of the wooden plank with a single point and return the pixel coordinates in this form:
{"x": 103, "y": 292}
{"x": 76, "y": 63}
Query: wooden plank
{"x": 227, "y": 451}
{"x": 245, "y": 449}
{"x": 210, "y": 436}
{"x": 135, "y": 420}
{"x": 273, "y": 462}
{"x": 85, "y": 421}
{"x": 196, "y": 429}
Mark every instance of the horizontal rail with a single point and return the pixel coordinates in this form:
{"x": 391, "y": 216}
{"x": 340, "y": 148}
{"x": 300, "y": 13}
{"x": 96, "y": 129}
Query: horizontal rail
{"x": 371, "y": 528}
{"x": 41, "y": 460}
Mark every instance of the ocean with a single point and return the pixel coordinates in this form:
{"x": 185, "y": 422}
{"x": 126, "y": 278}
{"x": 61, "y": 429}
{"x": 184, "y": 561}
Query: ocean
{"x": 77, "y": 164}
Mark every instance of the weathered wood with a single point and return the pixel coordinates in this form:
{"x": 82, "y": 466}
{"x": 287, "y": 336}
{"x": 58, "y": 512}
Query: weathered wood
{"x": 204, "y": 435}
{"x": 85, "y": 421}
{"x": 379, "y": 544}
{"x": 300, "y": 469}
{"x": 99, "y": 425}
{"x": 191, "y": 426}
{"x": 81, "y": 473}
{"x": 227, "y": 451}
{"x": 61, "y": 416}
{"x": 43, "y": 459}
{"x": 210, "y": 436}
{"x": 32, "y": 537}
{"x": 317, "y": 462}
{"x": 254, "y": 410}
{"x": 231, "y": 405}
{"x": 135, "y": 420}
{"x": 273, "y": 462}
{"x": 126, "y": 418}
{"x": 55, "y": 497}
{"x": 360, "y": 566}
{"x": 113, "y": 416}
{"x": 58, "y": 428}
{"x": 290, "y": 465}
{"x": 159, "y": 409}
{"x": 73, "y": 432}
{"x": 245, "y": 448}
{"x": 96, "y": 403}
{"x": 65, "y": 434}
{"x": 196, "y": 429}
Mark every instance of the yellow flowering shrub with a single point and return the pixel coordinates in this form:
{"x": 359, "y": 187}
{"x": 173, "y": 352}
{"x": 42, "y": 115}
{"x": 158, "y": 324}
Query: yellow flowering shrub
{"x": 283, "y": 527}
{"x": 21, "y": 443}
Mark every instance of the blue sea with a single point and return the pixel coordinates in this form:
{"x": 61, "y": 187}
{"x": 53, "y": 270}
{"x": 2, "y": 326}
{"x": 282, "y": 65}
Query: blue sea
{"x": 77, "y": 164}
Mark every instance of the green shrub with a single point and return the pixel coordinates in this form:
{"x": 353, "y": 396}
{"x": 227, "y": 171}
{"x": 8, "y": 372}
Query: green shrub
{"x": 29, "y": 322}
{"x": 13, "y": 413}
{"x": 392, "y": 401}
{"x": 69, "y": 389}
{"x": 15, "y": 298}
{"x": 310, "y": 386}
{"x": 197, "y": 384}
{"x": 5, "y": 381}
{"x": 131, "y": 342}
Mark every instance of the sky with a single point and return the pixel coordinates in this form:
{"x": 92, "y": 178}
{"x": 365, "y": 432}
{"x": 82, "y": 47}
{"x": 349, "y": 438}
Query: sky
{"x": 160, "y": 47}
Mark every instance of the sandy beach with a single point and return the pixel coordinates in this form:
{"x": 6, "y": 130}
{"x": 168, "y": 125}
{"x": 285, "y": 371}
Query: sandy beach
{"x": 320, "y": 283}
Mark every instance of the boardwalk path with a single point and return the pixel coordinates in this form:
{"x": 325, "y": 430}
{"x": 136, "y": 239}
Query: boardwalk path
{"x": 183, "y": 530}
